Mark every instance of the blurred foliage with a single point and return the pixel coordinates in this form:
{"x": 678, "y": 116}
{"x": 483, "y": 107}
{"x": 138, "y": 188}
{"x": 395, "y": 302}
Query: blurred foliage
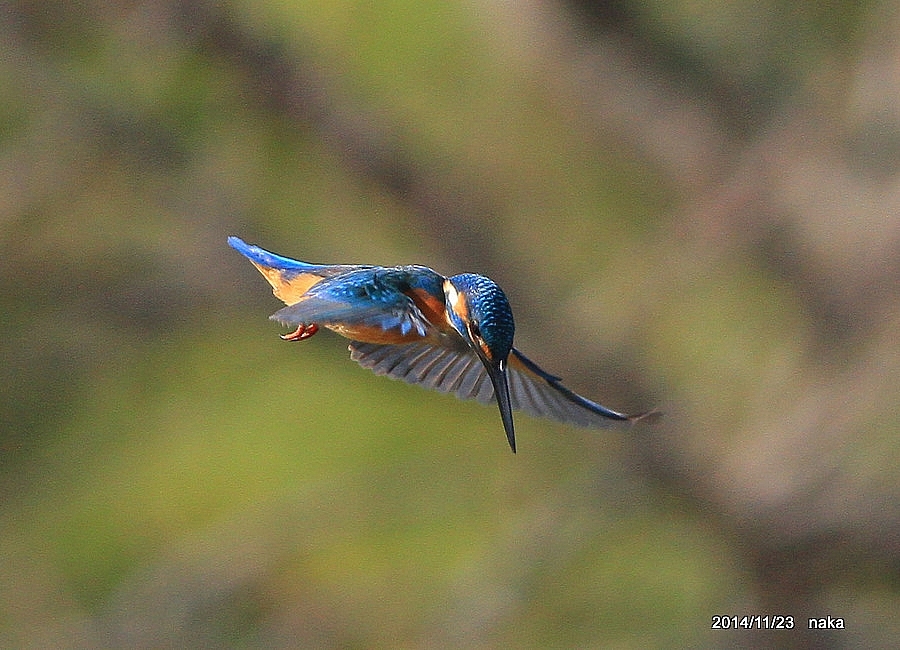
{"x": 689, "y": 204}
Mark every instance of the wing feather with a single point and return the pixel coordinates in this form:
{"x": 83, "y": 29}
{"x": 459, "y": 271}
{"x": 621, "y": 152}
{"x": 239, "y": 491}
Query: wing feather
{"x": 456, "y": 369}
{"x": 407, "y": 364}
{"x": 364, "y": 299}
{"x": 455, "y": 374}
{"x": 471, "y": 382}
{"x": 547, "y": 397}
{"x": 434, "y": 376}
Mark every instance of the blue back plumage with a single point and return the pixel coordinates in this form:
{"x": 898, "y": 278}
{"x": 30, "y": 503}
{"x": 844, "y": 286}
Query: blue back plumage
{"x": 489, "y": 309}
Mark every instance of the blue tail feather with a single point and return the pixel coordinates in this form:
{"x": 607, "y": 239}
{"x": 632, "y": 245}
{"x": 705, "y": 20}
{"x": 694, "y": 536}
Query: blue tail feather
{"x": 265, "y": 258}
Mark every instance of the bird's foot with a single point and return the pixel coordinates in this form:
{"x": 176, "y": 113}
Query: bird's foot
{"x": 303, "y": 331}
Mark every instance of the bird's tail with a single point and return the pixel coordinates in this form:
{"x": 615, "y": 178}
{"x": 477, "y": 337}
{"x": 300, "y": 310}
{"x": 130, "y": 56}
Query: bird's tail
{"x": 263, "y": 258}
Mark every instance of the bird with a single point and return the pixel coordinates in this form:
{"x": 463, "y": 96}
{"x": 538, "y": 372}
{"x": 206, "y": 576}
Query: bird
{"x": 450, "y": 334}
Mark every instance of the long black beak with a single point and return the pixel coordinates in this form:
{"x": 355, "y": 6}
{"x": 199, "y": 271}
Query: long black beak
{"x": 497, "y": 373}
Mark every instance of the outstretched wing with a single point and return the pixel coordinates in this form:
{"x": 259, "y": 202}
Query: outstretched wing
{"x": 541, "y": 394}
{"x": 372, "y": 303}
{"x": 445, "y": 368}
{"x": 454, "y": 368}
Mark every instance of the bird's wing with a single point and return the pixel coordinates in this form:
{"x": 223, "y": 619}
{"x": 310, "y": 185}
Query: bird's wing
{"x": 367, "y": 301}
{"x": 451, "y": 368}
{"x": 454, "y": 368}
{"x": 290, "y": 279}
{"x": 541, "y": 394}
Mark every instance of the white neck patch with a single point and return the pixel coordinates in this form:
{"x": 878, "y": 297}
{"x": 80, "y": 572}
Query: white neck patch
{"x": 455, "y": 300}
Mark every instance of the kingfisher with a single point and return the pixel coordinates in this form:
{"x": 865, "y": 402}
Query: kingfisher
{"x": 451, "y": 334}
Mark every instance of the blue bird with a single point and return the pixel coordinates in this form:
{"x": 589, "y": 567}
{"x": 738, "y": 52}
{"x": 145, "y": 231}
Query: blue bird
{"x": 454, "y": 335}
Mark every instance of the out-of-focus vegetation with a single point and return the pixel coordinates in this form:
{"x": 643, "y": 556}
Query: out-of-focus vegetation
{"x": 690, "y": 205}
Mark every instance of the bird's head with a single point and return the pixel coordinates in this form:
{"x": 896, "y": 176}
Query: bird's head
{"x": 479, "y": 312}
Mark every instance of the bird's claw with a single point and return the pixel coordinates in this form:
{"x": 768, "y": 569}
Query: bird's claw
{"x": 303, "y": 331}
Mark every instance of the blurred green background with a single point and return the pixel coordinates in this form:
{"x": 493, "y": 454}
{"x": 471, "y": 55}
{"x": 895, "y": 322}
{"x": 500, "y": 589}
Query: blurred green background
{"x": 691, "y": 205}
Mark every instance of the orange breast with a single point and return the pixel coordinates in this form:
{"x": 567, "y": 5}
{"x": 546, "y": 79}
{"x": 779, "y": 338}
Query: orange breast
{"x": 432, "y": 308}
{"x": 366, "y": 334}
